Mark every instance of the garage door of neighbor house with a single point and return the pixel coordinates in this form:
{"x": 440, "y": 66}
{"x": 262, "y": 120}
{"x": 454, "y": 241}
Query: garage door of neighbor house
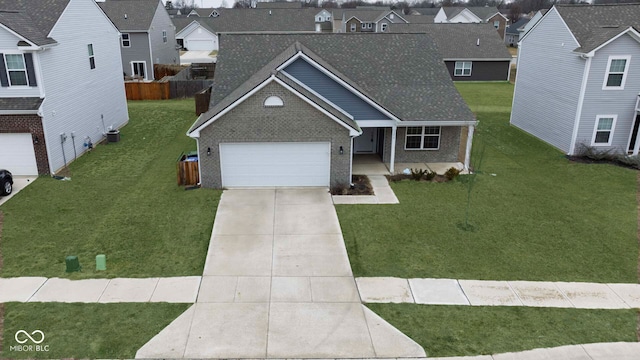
{"x": 200, "y": 45}
{"x": 17, "y": 154}
{"x": 275, "y": 164}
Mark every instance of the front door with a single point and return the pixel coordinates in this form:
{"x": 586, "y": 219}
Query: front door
{"x": 367, "y": 142}
{"x": 139, "y": 69}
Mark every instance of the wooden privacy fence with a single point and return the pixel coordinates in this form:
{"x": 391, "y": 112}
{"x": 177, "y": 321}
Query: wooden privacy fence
{"x": 187, "y": 170}
{"x": 147, "y": 90}
{"x": 187, "y": 88}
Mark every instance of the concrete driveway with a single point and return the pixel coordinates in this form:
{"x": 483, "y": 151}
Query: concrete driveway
{"x": 277, "y": 284}
{"x": 19, "y": 183}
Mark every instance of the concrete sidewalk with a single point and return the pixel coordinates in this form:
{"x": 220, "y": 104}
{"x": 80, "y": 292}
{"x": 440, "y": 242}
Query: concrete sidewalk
{"x": 182, "y": 289}
{"x": 499, "y": 293}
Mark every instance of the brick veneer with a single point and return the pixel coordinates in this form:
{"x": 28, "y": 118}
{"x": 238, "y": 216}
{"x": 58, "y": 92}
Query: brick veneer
{"x": 296, "y": 121}
{"x": 28, "y": 124}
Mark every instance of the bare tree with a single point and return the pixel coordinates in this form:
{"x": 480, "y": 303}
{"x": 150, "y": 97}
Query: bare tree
{"x": 242, "y": 4}
{"x": 185, "y": 6}
{"x": 515, "y": 12}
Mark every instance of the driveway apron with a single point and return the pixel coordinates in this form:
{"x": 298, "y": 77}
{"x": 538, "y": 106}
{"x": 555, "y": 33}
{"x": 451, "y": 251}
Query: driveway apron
{"x": 277, "y": 284}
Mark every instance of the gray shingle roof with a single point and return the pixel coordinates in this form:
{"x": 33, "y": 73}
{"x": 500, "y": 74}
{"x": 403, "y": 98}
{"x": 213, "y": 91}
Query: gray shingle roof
{"x": 513, "y": 28}
{"x": 130, "y": 15}
{"x": 483, "y": 12}
{"x": 459, "y": 41}
{"x": 20, "y": 103}
{"x": 593, "y": 25}
{"x": 403, "y": 73}
{"x": 32, "y": 19}
{"x": 279, "y": 5}
{"x": 419, "y": 19}
{"x": 362, "y": 14}
{"x": 254, "y": 20}
{"x": 428, "y": 11}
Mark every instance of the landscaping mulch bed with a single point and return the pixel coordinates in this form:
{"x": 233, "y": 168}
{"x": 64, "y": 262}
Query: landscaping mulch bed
{"x": 361, "y": 186}
{"x": 587, "y": 160}
{"x": 401, "y": 177}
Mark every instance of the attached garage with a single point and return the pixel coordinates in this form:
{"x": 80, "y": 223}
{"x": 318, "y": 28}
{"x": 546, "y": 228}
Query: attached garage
{"x": 275, "y": 164}
{"x": 200, "y": 45}
{"x": 17, "y": 154}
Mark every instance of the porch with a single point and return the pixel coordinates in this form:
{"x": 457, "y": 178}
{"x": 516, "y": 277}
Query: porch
{"x": 372, "y": 164}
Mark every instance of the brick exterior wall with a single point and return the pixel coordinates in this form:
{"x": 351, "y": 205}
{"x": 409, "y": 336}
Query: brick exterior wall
{"x": 503, "y": 24}
{"x": 448, "y": 152}
{"x": 296, "y": 121}
{"x": 28, "y": 124}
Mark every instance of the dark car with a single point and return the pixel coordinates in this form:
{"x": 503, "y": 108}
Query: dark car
{"x": 6, "y": 182}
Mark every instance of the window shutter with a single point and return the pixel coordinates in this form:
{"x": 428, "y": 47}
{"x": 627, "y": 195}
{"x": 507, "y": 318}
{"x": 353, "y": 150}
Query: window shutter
{"x": 4, "y": 81}
{"x": 31, "y": 72}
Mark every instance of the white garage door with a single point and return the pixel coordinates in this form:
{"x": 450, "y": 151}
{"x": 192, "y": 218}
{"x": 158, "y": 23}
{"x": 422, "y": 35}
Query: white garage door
{"x": 200, "y": 45}
{"x": 17, "y": 154}
{"x": 275, "y": 164}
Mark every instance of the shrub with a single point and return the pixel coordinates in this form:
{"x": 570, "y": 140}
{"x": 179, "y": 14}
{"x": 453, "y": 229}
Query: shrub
{"x": 417, "y": 174}
{"x": 631, "y": 161}
{"x": 340, "y": 189}
{"x": 430, "y": 175}
{"x": 452, "y": 173}
{"x": 596, "y": 154}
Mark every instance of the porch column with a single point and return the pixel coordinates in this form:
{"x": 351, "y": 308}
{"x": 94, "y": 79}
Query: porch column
{"x": 467, "y": 154}
{"x": 636, "y": 146}
{"x": 392, "y": 160}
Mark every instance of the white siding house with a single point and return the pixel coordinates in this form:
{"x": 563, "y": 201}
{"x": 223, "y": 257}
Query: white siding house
{"x": 578, "y": 81}
{"x": 76, "y": 92}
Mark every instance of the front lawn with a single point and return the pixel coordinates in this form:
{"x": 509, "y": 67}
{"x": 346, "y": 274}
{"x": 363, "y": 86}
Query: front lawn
{"x": 470, "y": 330}
{"x": 85, "y": 331}
{"x": 536, "y": 215}
{"x": 122, "y": 201}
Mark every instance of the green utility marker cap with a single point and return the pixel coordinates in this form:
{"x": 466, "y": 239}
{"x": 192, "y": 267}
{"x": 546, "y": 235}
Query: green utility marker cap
{"x": 101, "y": 262}
{"x": 73, "y": 264}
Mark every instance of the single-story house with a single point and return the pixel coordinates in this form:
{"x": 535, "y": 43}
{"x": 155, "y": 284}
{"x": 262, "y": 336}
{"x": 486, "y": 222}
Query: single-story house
{"x": 292, "y": 110}
{"x": 471, "y": 51}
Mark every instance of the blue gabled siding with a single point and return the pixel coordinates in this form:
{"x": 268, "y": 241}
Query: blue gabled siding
{"x": 332, "y": 91}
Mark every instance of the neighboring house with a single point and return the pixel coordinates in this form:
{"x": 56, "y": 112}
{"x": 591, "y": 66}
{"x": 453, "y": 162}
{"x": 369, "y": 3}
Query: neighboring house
{"x": 427, "y": 11}
{"x": 297, "y": 112}
{"x": 473, "y": 14}
{"x": 514, "y": 31}
{"x": 148, "y": 35}
{"x": 61, "y": 82}
{"x": 324, "y": 21}
{"x": 195, "y": 35}
{"x": 364, "y": 20}
{"x": 279, "y": 5}
{"x": 471, "y": 52}
{"x": 579, "y": 78}
{"x": 201, "y": 34}
{"x": 203, "y": 12}
{"x": 533, "y": 20}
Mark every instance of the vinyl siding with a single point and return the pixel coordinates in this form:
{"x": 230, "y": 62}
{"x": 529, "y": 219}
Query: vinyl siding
{"x": 75, "y": 95}
{"x": 611, "y": 102}
{"x": 161, "y": 52}
{"x": 332, "y": 91}
{"x": 482, "y": 71}
{"x": 138, "y": 51}
{"x": 548, "y": 83}
{"x": 201, "y": 34}
{"x": 8, "y": 44}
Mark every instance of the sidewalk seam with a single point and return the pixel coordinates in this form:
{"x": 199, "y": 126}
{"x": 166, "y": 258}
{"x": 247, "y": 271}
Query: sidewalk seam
{"x": 38, "y": 289}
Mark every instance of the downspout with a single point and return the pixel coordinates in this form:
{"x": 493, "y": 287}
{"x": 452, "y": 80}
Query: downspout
{"x": 199, "y": 163}
{"x": 153, "y": 75}
{"x": 583, "y": 89}
{"x": 351, "y": 162}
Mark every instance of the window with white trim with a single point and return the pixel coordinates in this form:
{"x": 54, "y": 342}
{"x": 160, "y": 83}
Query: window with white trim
{"x": 16, "y": 69}
{"x": 164, "y": 36}
{"x": 92, "y": 58}
{"x": 496, "y": 24}
{"x": 616, "y": 75}
{"x": 422, "y": 138}
{"x": 126, "y": 40}
{"x": 383, "y": 27}
{"x": 139, "y": 68}
{"x": 603, "y": 131}
{"x": 462, "y": 68}
{"x": 353, "y": 27}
